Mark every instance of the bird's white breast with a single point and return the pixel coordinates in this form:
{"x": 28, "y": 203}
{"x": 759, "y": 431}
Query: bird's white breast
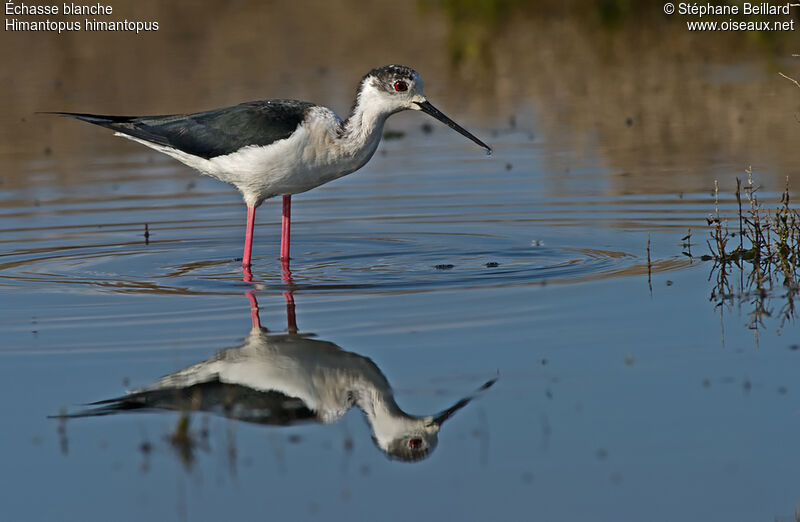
{"x": 319, "y": 373}
{"x": 313, "y": 155}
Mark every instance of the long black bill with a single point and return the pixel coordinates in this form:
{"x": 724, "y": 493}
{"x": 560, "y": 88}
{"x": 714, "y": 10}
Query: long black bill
{"x": 433, "y": 111}
{"x": 439, "y": 419}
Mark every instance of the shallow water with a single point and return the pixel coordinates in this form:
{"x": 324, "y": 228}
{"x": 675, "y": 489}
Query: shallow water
{"x": 556, "y": 266}
{"x": 618, "y": 379}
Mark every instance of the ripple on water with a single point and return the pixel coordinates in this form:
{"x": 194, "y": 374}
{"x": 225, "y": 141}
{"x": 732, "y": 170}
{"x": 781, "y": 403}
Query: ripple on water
{"x": 386, "y": 263}
{"x": 437, "y": 227}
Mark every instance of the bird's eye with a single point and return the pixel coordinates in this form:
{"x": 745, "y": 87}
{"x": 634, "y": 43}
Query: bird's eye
{"x": 414, "y": 443}
{"x": 400, "y": 86}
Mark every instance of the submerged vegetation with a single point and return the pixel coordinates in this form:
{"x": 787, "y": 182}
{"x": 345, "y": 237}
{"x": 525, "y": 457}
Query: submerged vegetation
{"x": 763, "y": 250}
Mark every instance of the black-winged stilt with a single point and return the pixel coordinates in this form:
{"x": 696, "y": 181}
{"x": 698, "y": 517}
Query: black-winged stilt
{"x": 280, "y": 147}
{"x": 288, "y": 379}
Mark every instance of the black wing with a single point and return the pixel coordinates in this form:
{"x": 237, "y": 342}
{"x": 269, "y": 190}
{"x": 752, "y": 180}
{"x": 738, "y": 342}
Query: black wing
{"x": 212, "y": 133}
{"x": 228, "y": 400}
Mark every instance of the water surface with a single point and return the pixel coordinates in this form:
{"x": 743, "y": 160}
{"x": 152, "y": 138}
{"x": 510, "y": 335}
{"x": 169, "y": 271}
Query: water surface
{"x": 556, "y": 266}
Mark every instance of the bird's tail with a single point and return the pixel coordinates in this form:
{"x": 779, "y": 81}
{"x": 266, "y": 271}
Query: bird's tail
{"x": 128, "y": 126}
{"x": 107, "y": 407}
{"x": 110, "y": 122}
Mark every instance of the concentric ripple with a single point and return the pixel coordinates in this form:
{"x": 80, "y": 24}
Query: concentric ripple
{"x": 96, "y": 260}
{"x": 164, "y": 230}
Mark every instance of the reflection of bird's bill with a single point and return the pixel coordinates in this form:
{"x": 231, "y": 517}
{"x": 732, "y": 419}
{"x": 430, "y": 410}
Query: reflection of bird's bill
{"x": 441, "y": 417}
{"x": 427, "y": 108}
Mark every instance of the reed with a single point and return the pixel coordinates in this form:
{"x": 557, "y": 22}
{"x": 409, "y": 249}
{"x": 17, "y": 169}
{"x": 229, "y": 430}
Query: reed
{"x": 763, "y": 247}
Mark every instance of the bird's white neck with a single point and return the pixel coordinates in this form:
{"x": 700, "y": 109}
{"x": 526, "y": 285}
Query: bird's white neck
{"x": 385, "y": 417}
{"x": 362, "y": 131}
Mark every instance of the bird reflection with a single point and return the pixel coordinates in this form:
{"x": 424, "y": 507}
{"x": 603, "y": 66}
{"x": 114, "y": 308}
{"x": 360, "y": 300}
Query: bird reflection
{"x": 290, "y": 378}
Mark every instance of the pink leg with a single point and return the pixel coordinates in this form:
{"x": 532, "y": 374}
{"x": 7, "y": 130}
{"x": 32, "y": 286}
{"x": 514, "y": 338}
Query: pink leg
{"x": 286, "y": 220}
{"x": 291, "y": 318}
{"x": 251, "y": 295}
{"x": 286, "y": 277}
{"x": 248, "y": 238}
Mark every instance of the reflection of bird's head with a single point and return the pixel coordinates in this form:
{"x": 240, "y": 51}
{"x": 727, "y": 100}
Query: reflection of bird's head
{"x": 414, "y": 445}
{"x": 411, "y": 439}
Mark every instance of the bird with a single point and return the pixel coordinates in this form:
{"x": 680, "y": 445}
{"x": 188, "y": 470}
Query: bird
{"x": 278, "y": 147}
{"x": 284, "y": 379}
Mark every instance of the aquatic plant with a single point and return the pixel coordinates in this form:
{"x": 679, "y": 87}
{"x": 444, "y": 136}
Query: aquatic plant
{"x": 765, "y": 249}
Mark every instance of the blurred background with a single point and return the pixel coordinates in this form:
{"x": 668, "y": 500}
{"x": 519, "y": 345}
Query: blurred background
{"x": 612, "y": 81}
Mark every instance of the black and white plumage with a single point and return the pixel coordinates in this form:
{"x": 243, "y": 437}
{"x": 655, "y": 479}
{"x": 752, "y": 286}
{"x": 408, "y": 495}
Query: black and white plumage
{"x": 281, "y": 147}
{"x": 289, "y": 379}
{"x": 212, "y": 133}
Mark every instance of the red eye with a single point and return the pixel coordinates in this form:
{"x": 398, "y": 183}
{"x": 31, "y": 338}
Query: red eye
{"x": 400, "y": 86}
{"x": 413, "y": 443}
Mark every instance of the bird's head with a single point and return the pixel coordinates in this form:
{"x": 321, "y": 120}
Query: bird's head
{"x": 408, "y": 438}
{"x": 394, "y": 88}
{"x": 414, "y": 440}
